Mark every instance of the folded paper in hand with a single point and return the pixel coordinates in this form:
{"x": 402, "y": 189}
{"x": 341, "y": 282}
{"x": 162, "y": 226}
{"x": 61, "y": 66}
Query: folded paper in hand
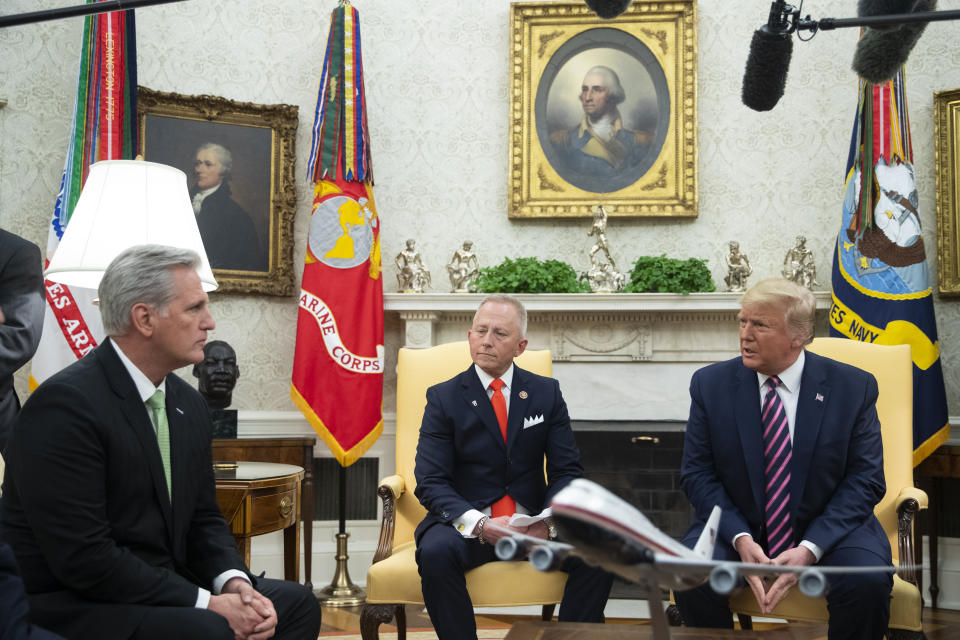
{"x": 522, "y": 520}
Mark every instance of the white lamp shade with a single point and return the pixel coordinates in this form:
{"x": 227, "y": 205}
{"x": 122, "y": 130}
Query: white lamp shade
{"x": 126, "y": 203}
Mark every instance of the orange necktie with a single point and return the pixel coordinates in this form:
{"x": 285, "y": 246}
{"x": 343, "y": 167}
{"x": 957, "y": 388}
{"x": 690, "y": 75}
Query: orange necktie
{"x": 505, "y": 506}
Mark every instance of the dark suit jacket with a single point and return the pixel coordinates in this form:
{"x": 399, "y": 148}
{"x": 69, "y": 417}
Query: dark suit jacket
{"x": 13, "y": 603}
{"x": 462, "y": 461}
{"x": 228, "y": 234}
{"x": 21, "y": 299}
{"x": 86, "y": 508}
{"x": 837, "y": 464}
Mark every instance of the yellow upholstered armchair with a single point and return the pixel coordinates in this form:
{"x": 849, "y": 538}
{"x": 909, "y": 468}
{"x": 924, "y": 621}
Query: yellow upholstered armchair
{"x": 393, "y": 580}
{"x": 892, "y": 367}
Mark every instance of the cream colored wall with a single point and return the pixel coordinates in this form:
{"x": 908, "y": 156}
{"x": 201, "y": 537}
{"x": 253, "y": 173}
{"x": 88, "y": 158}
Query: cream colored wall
{"x": 437, "y": 85}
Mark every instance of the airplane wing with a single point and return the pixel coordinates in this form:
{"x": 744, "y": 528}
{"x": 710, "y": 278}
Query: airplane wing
{"x": 724, "y": 577}
{"x": 606, "y": 531}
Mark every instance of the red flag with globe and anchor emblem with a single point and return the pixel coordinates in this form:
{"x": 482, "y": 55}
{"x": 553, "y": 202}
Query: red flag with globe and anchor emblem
{"x": 338, "y": 364}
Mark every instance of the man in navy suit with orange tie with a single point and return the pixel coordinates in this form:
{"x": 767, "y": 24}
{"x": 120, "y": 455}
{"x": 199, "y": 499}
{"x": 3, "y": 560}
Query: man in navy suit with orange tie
{"x": 479, "y": 460}
{"x": 788, "y": 444}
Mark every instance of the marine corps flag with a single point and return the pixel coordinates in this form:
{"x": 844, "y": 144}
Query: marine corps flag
{"x": 103, "y": 128}
{"x": 881, "y": 285}
{"x": 338, "y": 364}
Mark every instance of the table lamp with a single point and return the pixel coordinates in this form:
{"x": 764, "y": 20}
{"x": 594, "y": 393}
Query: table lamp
{"x": 125, "y": 203}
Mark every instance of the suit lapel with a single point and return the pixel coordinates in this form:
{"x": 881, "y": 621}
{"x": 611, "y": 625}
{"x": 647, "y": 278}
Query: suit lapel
{"x": 476, "y": 398}
{"x": 179, "y": 437}
{"x": 747, "y": 411}
{"x": 139, "y": 421}
{"x": 519, "y": 399}
{"x": 814, "y": 395}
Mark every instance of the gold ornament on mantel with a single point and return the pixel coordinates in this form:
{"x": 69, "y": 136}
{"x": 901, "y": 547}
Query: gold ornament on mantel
{"x": 603, "y": 275}
{"x": 463, "y": 269}
{"x": 412, "y": 275}
{"x": 799, "y": 266}
{"x": 738, "y": 268}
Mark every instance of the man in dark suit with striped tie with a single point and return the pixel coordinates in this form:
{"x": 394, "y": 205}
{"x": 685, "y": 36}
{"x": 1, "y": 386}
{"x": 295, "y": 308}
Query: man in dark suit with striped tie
{"x": 788, "y": 444}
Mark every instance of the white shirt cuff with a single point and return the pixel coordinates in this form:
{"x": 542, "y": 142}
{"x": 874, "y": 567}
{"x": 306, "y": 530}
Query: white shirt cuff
{"x": 814, "y": 549}
{"x": 203, "y": 599}
{"x": 466, "y": 522}
{"x": 737, "y": 537}
{"x": 225, "y": 577}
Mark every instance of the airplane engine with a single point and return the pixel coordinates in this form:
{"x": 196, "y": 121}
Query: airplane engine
{"x": 543, "y": 558}
{"x": 723, "y": 578}
{"x": 509, "y": 549}
{"x": 812, "y": 583}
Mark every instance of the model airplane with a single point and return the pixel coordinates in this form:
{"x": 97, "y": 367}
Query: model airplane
{"x": 608, "y": 532}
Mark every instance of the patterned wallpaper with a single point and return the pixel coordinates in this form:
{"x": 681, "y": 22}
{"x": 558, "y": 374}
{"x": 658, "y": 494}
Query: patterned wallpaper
{"x": 437, "y": 83}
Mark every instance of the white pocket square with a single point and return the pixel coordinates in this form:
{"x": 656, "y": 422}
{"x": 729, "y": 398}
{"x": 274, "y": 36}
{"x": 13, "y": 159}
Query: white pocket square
{"x": 532, "y": 421}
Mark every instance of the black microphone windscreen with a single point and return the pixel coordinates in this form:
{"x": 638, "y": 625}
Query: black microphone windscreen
{"x": 766, "y": 73}
{"x": 880, "y": 54}
{"x": 870, "y": 8}
{"x": 608, "y": 9}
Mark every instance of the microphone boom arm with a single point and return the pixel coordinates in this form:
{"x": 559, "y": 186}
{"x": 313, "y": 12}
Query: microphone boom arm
{"x": 77, "y": 10}
{"x": 787, "y": 18}
{"x": 827, "y": 24}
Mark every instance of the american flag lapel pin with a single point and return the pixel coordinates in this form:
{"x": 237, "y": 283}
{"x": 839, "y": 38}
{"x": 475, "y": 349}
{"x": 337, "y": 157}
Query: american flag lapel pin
{"x": 819, "y": 397}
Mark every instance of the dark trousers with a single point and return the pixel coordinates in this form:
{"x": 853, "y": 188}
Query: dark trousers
{"x": 858, "y": 604}
{"x": 444, "y": 557}
{"x": 298, "y": 617}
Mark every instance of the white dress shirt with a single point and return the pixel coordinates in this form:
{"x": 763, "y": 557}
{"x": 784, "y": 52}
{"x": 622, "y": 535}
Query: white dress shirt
{"x": 467, "y": 521}
{"x": 146, "y": 389}
{"x": 789, "y": 392}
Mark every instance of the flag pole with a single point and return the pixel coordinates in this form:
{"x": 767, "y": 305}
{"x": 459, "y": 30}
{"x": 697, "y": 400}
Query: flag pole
{"x": 338, "y": 365}
{"x": 341, "y": 592}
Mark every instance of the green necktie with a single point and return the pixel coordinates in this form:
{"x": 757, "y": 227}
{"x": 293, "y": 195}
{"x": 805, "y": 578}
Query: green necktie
{"x": 158, "y": 414}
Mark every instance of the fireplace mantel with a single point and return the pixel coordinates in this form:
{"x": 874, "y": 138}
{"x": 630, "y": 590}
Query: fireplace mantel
{"x": 424, "y": 314}
{"x": 617, "y": 356}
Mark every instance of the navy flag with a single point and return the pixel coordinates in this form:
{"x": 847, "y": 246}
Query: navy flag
{"x": 881, "y": 284}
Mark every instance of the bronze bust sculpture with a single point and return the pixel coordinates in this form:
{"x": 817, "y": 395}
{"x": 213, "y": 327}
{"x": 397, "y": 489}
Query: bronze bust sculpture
{"x": 218, "y": 373}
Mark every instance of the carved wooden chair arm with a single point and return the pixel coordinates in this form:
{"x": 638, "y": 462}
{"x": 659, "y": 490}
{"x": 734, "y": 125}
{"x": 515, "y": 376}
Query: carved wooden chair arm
{"x": 910, "y": 501}
{"x": 390, "y": 490}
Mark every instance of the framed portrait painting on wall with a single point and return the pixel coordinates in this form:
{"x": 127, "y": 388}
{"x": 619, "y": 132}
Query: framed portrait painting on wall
{"x": 603, "y": 111}
{"x": 239, "y": 160}
{"x": 946, "y": 112}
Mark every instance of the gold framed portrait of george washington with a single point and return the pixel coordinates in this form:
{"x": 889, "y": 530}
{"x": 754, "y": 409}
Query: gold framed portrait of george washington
{"x": 603, "y": 111}
{"x": 239, "y": 160}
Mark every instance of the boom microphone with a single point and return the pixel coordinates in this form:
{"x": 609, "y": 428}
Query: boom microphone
{"x": 881, "y": 51}
{"x": 608, "y": 9}
{"x": 765, "y": 75}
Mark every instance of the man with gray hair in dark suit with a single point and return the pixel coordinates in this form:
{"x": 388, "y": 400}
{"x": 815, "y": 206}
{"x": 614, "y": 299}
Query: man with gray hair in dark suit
{"x": 109, "y": 496}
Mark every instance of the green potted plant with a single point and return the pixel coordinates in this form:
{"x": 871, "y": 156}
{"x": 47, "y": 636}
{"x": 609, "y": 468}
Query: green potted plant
{"x": 660, "y": 274}
{"x": 530, "y": 275}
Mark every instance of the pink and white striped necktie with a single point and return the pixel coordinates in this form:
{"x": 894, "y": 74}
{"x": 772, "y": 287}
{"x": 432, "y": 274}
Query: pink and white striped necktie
{"x": 777, "y": 453}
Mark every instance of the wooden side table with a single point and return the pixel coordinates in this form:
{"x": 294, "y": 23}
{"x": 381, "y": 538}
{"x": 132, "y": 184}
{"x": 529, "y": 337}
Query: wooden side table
{"x": 296, "y": 451}
{"x": 261, "y": 497}
{"x": 944, "y": 462}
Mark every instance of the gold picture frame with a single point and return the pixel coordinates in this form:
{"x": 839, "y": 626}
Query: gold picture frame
{"x": 946, "y": 111}
{"x": 649, "y": 166}
{"x": 246, "y": 217}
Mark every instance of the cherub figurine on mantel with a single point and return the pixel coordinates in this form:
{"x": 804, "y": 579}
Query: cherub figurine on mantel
{"x": 738, "y": 268}
{"x": 463, "y": 269}
{"x": 412, "y": 275}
